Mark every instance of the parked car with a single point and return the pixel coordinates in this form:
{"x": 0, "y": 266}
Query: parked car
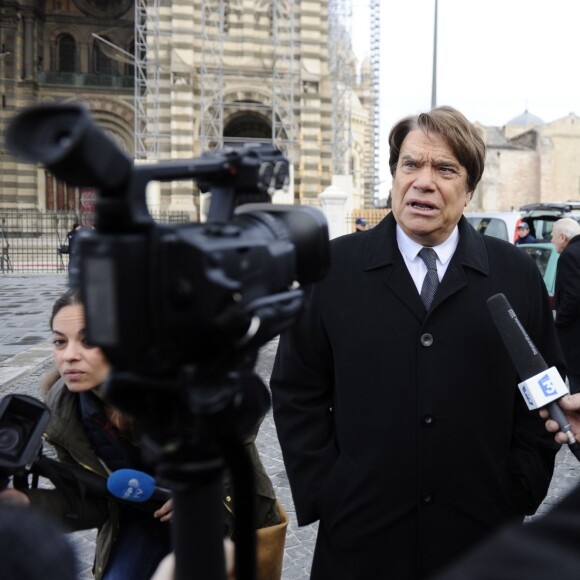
{"x": 546, "y": 258}
{"x": 541, "y": 216}
{"x": 498, "y": 224}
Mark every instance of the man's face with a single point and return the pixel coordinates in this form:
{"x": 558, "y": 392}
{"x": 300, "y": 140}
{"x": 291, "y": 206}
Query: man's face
{"x": 559, "y": 240}
{"x": 523, "y": 231}
{"x": 429, "y": 190}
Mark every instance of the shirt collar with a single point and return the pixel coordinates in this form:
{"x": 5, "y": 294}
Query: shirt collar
{"x": 410, "y": 248}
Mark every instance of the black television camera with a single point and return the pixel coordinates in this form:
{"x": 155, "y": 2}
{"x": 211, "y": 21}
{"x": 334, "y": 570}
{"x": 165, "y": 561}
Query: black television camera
{"x": 181, "y": 310}
{"x": 22, "y": 423}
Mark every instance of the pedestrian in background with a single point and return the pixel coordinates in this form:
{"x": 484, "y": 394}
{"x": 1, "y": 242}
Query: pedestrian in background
{"x": 409, "y": 440}
{"x": 566, "y": 239}
{"x": 524, "y": 235}
{"x": 361, "y": 224}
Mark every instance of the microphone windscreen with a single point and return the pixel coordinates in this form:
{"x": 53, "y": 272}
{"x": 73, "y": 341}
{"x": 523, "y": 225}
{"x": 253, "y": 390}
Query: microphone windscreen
{"x": 523, "y": 352}
{"x": 131, "y": 485}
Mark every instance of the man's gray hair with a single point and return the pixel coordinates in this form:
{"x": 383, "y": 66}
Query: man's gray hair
{"x": 568, "y": 227}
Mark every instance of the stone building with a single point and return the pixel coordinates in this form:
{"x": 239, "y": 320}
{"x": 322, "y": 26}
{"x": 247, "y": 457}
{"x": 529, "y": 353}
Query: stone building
{"x": 529, "y": 161}
{"x": 49, "y": 52}
{"x": 251, "y": 77}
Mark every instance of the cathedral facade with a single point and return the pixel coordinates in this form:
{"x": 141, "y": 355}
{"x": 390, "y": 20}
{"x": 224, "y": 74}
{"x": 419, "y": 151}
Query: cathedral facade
{"x": 256, "y": 71}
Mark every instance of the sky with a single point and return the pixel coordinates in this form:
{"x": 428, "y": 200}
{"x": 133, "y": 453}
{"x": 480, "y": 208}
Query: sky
{"x": 495, "y": 59}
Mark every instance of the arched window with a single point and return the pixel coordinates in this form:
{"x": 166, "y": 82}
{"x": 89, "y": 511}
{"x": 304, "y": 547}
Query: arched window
{"x": 103, "y": 65}
{"x": 67, "y": 53}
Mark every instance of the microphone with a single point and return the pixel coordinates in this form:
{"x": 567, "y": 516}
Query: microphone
{"x": 541, "y": 386}
{"x": 127, "y": 486}
{"x": 136, "y": 487}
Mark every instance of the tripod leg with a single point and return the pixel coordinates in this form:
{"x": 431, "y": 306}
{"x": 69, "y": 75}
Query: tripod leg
{"x": 198, "y": 529}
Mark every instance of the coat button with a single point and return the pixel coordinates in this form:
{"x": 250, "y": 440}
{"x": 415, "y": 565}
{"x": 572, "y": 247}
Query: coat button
{"x": 428, "y": 420}
{"x": 426, "y": 498}
{"x": 426, "y": 339}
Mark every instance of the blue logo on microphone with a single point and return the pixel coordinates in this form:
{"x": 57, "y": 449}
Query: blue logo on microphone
{"x": 527, "y": 397}
{"x": 547, "y": 386}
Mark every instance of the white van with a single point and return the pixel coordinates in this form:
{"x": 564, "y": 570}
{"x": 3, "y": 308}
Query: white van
{"x": 498, "y": 224}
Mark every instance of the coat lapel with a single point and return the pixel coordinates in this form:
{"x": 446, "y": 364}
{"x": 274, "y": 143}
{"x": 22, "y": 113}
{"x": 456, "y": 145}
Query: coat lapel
{"x": 382, "y": 253}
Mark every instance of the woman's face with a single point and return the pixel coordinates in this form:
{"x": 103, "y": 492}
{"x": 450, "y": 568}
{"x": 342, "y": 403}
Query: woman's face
{"x": 82, "y": 367}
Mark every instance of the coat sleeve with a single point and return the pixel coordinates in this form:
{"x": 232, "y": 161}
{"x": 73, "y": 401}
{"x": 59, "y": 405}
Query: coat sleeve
{"x": 568, "y": 308}
{"x": 533, "y": 448}
{"x": 302, "y": 384}
{"x": 544, "y": 548}
{"x": 73, "y": 512}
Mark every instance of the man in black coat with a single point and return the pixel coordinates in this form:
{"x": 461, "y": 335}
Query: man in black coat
{"x": 566, "y": 239}
{"x": 400, "y": 422}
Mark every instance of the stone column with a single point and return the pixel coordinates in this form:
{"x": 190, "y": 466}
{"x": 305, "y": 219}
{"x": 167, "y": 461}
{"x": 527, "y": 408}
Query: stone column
{"x": 333, "y": 202}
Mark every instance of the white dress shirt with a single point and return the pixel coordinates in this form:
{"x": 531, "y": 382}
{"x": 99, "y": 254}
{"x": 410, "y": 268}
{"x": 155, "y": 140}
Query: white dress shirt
{"x": 417, "y": 268}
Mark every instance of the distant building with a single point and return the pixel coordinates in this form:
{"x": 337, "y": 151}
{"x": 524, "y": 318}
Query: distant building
{"x": 529, "y": 161}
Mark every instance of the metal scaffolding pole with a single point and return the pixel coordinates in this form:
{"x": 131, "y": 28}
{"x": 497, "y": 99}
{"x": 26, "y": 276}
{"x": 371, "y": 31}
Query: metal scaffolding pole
{"x": 372, "y": 180}
{"x": 211, "y": 74}
{"x": 147, "y": 79}
{"x": 342, "y": 76}
{"x": 284, "y": 75}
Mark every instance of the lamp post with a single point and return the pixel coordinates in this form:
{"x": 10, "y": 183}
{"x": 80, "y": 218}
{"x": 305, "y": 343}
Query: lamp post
{"x": 434, "y": 80}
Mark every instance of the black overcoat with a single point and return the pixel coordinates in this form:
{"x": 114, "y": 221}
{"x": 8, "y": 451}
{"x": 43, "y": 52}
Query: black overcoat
{"x": 404, "y": 432}
{"x": 567, "y": 296}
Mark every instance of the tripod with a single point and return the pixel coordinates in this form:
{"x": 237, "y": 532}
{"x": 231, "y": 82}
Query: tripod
{"x": 193, "y": 427}
{"x": 5, "y": 262}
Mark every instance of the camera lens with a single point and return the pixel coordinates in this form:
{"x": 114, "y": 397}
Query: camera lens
{"x": 10, "y": 438}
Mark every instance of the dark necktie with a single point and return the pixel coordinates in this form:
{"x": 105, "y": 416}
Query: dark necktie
{"x": 431, "y": 281}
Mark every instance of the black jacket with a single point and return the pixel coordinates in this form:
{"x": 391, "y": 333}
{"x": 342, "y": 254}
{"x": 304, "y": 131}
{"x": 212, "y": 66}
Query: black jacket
{"x": 404, "y": 432}
{"x": 567, "y": 296}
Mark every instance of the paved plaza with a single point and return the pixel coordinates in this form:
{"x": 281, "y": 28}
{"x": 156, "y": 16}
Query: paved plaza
{"x": 25, "y": 304}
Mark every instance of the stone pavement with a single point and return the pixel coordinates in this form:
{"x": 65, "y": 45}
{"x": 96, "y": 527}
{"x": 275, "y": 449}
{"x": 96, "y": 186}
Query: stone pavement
{"x": 25, "y": 304}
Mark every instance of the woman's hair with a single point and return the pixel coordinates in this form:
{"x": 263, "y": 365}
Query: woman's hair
{"x": 69, "y": 298}
{"x": 459, "y": 134}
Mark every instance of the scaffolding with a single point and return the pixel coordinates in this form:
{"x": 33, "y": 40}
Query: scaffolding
{"x": 283, "y": 75}
{"x": 342, "y": 78}
{"x": 147, "y": 79}
{"x": 284, "y": 80}
{"x": 211, "y": 74}
{"x": 372, "y": 177}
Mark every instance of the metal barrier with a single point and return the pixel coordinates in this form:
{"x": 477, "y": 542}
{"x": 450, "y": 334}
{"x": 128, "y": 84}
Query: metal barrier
{"x": 30, "y": 239}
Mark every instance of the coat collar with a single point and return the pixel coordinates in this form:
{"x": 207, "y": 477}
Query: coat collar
{"x": 381, "y": 252}
{"x": 382, "y": 249}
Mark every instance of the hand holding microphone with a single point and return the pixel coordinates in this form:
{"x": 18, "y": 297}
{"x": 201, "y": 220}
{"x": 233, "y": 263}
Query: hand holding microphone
{"x": 570, "y": 404}
{"x": 541, "y": 387}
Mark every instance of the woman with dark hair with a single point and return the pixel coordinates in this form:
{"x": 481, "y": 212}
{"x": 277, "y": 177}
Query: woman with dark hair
{"x": 85, "y": 430}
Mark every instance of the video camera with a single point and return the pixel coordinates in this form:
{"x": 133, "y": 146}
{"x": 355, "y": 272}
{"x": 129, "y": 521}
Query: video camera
{"x": 22, "y": 423}
{"x": 160, "y": 296}
{"x": 181, "y": 310}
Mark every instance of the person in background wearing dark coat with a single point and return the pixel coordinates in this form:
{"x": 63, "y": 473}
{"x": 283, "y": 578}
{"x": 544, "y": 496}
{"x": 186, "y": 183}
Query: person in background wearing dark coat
{"x": 360, "y": 224}
{"x": 409, "y": 441}
{"x": 524, "y": 236}
{"x": 566, "y": 239}
{"x": 71, "y": 235}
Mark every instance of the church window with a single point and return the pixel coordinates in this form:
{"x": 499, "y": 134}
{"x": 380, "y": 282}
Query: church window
{"x": 67, "y": 53}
